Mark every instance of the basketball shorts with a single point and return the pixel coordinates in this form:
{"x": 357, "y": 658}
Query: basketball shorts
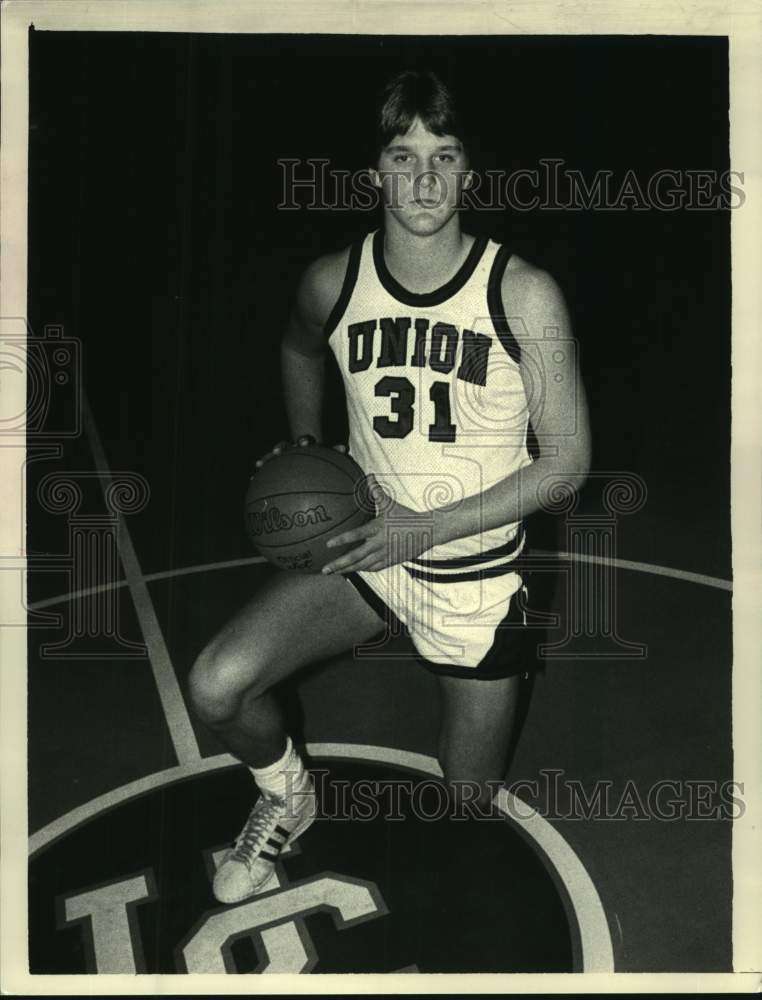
{"x": 466, "y": 617}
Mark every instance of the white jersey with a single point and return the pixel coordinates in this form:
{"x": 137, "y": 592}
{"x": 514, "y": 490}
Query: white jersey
{"x": 436, "y": 402}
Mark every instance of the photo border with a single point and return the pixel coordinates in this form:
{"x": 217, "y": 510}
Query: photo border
{"x": 742, "y": 24}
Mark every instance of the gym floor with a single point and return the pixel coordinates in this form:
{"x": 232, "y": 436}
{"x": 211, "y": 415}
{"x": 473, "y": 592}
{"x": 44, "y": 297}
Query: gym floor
{"x": 174, "y": 300}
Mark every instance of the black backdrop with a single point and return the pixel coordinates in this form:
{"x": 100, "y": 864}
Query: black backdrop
{"x": 156, "y": 239}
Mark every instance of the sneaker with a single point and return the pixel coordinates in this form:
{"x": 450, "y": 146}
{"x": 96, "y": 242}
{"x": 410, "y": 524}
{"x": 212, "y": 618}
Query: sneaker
{"x": 250, "y": 863}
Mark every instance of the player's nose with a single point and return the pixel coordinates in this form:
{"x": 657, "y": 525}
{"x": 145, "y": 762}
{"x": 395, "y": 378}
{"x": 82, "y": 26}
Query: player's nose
{"x": 426, "y": 184}
{"x": 426, "y": 178}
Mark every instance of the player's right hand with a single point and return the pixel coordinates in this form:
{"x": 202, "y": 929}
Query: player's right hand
{"x": 301, "y": 442}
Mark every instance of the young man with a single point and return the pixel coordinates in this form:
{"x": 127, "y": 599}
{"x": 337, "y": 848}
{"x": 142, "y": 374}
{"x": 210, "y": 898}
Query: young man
{"x": 439, "y": 389}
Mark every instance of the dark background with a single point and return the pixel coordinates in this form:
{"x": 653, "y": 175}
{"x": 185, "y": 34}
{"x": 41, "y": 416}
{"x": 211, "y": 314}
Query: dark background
{"x": 156, "y": 239}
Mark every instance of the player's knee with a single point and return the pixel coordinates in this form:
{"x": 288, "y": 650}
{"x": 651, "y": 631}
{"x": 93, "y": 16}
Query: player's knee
{"x": 219, "y": 682}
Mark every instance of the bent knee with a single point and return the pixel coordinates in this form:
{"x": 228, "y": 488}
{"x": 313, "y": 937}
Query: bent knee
{"x": 219, "y": 682}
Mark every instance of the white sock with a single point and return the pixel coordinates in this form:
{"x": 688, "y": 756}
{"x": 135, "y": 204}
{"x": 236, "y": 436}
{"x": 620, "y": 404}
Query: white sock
{"x": 284, "y": 776}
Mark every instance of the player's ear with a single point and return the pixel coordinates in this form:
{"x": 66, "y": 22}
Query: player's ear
{"x": 468, "y": 180}
{"x": 375, "y": 177}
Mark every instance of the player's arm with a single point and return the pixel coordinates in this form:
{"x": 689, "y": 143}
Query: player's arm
{"x": 560, "y": 420}
{"x": 303, "y": 350}
{"x": 558, "y": 413}
{"x": 303, "y": 356}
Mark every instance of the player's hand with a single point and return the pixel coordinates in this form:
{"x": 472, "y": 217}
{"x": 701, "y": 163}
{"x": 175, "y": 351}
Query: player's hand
{"x": 395, "y": 534}
{"x": 301, "y": 442}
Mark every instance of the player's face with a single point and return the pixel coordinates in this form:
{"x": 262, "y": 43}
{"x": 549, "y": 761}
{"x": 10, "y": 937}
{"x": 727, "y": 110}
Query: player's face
{"x": 422, "y": 176}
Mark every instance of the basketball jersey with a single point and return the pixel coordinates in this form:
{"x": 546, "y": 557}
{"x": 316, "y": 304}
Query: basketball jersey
{"x": 436, "y": 403}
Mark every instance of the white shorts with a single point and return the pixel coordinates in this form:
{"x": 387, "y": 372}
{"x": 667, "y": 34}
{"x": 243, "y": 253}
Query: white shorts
{"x": 466, "y": 617}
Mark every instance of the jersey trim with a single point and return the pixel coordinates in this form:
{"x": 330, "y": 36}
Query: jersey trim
{"x": 438, "y": 295}
{"x": 504, "y": 332}
{"x": 348, "y": 286}
{"x": 496, "y": 307}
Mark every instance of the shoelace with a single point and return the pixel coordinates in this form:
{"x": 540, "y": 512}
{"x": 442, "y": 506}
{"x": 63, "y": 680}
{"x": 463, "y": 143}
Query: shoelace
{"x": 258, "y": 827}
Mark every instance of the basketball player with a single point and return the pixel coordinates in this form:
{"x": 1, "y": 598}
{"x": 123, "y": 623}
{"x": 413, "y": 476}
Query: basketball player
{"x": 438, "y": 385}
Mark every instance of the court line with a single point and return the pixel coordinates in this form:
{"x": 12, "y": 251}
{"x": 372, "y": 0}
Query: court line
{"x": 639, "y": 567}
{"x": 172, "y": 702}
{"x": 147, "y": 578}
{"x": 595, "y": 936}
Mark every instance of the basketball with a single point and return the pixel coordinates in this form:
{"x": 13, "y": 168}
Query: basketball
{"x": 298, "y": 500}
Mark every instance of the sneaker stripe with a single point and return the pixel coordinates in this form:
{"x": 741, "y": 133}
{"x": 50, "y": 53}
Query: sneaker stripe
{"x": 277, "y": 844}
{"x": 281, "y": 831}
{"x": 268, "y": 855}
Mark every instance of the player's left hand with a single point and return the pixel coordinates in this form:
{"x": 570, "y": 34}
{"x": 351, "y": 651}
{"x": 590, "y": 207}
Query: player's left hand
{"x": 395, "y": 534}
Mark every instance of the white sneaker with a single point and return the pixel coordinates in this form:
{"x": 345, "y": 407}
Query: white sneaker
{"x": 272, "y": 823}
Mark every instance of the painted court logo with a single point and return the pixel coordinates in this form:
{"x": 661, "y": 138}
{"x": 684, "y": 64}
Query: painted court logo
{"x": 273, "y": 923}
{"x": 129, "y": 890}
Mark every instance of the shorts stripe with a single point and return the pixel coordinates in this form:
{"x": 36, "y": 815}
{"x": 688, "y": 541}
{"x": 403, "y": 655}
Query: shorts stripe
{"x": 511, "y": 547}
{"x": 511, "y": 565}
{"x": 479, "y": 574}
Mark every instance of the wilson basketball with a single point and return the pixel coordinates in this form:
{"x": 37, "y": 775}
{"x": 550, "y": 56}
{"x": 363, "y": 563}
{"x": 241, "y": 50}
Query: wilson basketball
{"x": 298, "y": 500}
